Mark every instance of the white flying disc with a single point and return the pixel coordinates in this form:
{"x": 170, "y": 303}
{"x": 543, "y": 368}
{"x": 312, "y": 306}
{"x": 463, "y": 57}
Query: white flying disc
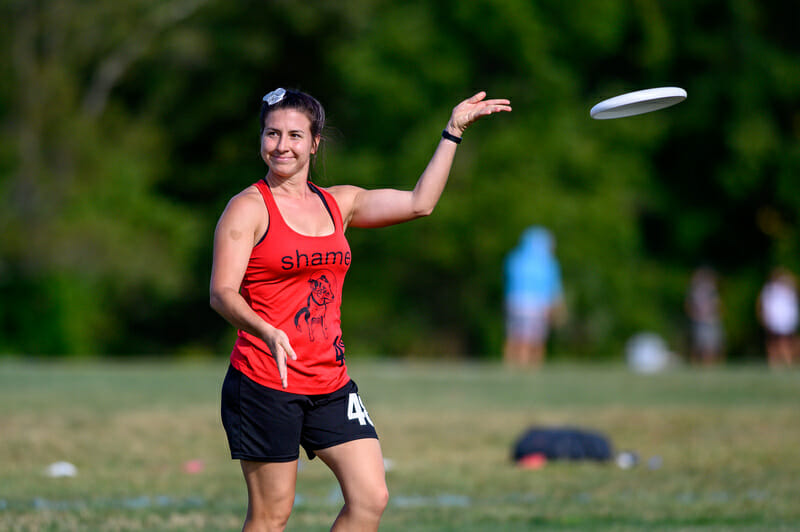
{"x": 637, "y": 103}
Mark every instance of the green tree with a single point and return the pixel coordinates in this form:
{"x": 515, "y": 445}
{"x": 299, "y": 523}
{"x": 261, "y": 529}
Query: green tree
{"x": 126, "y": 126}
{"x": 85, "y": 234}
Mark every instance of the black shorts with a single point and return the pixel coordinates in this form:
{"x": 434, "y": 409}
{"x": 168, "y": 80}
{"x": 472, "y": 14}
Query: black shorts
{"x": 267, "y": 425}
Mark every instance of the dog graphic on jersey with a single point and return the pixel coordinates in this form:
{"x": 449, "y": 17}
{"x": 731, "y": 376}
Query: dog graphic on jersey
{"x": 313, "y": 314}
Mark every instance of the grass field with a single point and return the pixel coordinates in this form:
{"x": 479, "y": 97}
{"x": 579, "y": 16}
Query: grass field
{"x": 728, "y": 441}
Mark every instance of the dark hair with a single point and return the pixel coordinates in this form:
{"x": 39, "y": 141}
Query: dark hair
{"x": 299, "y": 101}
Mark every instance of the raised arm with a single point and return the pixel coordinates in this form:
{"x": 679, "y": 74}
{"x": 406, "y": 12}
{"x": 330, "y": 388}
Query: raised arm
{"x": 381, "y": 207}
{"x": 238, "y": 229}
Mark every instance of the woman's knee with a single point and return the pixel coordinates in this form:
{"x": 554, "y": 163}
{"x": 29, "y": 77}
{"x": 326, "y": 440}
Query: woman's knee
{"x": 382, "y": 498}
{"x": 273, "y": 516}
{"x": 372, "y": 502}
{"x": 270, "y": 509}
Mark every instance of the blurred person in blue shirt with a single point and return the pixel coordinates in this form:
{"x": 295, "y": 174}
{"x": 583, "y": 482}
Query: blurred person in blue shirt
{"x": 533, "y": 296}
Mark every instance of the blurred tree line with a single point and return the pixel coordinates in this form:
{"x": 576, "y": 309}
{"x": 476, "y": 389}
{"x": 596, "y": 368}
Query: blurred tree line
{"x": 126, "y": 125}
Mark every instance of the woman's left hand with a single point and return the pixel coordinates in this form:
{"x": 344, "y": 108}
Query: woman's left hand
{"x": 472, "y": 109}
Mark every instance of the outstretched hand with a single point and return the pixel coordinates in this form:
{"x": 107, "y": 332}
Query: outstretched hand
{"x": 472, "y": 109}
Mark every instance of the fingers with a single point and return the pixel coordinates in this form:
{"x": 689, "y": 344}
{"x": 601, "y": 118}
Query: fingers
{"x": 499, "y": 107}
{"x": 476, "y": 97}
{"x": 495, "y": 105}
{"x": 280, "y": 359}
{"x": 290, "y": 352}
{"x": 282, "y": 351}
{"x": 476, "y": 107}
{"x": 500, "y": 102}
{"x": 464, "y": 116}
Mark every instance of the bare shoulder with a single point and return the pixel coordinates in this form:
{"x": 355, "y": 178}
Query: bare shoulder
{"x": 248, "y": 201}
{"x": 344, "y": 192}
{"x": 246, "y": 211}
{"x": 345, "y": 196}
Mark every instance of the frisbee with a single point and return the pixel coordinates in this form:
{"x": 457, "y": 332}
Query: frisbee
{"x": 637, "y": 103}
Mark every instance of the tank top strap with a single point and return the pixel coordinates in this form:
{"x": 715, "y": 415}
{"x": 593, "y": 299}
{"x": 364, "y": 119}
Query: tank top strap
{"x": 269, "y": 201}
{"x": 330, "y": 204}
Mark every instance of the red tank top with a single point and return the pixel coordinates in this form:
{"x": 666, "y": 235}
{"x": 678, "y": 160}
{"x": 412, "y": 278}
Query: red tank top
{"x": 294, "y": 282}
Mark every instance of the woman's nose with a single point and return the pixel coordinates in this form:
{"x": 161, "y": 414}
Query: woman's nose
{"x": 281, "y": 146}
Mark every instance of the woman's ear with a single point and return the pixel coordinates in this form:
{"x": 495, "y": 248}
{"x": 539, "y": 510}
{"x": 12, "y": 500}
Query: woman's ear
{"x": 315, "y": 144}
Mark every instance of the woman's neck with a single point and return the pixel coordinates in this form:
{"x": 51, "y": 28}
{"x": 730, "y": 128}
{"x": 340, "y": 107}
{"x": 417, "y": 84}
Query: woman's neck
{"x": 296, "y": 186}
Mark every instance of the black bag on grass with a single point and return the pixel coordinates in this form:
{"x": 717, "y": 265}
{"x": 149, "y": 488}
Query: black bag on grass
{"x": 563, "y": 444}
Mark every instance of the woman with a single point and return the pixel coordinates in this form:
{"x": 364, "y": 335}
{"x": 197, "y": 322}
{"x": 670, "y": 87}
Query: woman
{"x": 280, "y": 257}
